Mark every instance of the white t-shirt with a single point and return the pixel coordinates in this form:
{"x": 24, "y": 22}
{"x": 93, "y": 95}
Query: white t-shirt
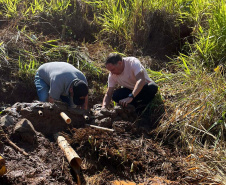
{"x": 128, "y": 77}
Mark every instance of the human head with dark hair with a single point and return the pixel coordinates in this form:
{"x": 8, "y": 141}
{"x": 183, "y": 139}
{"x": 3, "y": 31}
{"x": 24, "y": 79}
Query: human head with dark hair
{"x": 114, "y": 63}
{"x": 113, "y": 58}
{"x": 80, "y": 91}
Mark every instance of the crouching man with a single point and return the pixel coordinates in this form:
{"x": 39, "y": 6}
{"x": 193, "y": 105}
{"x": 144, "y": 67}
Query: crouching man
{"x": 137, "y": 87}
{"x": 62, "y": 81}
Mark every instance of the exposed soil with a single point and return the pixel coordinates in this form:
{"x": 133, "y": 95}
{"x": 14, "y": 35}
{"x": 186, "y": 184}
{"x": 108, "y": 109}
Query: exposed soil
{"x": 128, "y": 153}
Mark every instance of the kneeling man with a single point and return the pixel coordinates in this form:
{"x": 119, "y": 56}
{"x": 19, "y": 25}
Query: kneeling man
{"x": 137, "y": 87}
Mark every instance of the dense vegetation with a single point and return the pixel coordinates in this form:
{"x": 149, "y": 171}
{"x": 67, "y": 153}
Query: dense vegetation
{"x": 192, "y": 83}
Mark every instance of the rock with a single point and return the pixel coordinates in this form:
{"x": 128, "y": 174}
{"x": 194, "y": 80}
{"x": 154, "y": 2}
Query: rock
{"x": 6, "y": 121}
{"x": 105, "y": 112}
{"x": 124, "y": 116}
{"x": 118, "y": 109}
{"x": 105, "y": 122}
{"x": 99, "y": 115}
{"x": 130, "y": 109}
{"x": 113, "y": 113}
{"x": 131, "y": 119}
{"x": 118, "y": 118}
{"x": 97, "y": 106}
{"x": 26, "y": 130}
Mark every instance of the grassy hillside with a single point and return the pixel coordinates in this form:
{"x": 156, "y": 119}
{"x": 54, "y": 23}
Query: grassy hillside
{"x": 187, "y": 39}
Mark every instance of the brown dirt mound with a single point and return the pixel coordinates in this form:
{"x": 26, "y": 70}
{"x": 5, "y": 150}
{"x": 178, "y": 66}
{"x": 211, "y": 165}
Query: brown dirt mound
{"x": 125, "y": 153}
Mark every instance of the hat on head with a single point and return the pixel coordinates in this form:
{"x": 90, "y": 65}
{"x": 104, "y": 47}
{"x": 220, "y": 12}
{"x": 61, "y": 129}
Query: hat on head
{"x": 80, "y": 89}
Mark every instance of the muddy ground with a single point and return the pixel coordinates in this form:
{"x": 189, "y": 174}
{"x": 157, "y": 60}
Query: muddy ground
{"x": 130, "y": 153}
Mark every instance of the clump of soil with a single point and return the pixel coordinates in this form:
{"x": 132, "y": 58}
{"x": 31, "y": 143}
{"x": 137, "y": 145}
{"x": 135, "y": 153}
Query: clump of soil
{"x": 14, "y": 89}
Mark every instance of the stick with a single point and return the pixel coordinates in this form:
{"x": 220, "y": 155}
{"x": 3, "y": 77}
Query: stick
{"x": 16, "y": 147}
{"x": 12, "y": 143}
{"x": 101, "y": 128}
{"x": 65, "y": 117}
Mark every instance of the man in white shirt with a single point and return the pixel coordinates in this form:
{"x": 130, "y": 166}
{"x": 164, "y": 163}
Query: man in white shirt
{"x": 138, "y": 88}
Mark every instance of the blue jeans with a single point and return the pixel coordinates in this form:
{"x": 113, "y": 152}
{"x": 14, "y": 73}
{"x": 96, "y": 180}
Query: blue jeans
{"x": 43, "y": 90}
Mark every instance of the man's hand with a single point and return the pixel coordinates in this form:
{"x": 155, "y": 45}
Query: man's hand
{"x": 51, "y": 100}
{"x": 124, "y": 102}
{"x": 107, "y": 97}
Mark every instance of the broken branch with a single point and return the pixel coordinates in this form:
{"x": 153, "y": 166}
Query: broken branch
{"x": 11, "y": 143}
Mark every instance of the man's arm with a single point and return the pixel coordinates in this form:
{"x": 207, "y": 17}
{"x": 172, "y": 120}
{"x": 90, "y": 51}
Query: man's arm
{"x": 107, "y": 97}
{"x": 139, "y": 84}
{"x": 137, "y": 88}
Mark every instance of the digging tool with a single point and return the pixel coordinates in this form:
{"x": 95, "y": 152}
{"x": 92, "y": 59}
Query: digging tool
{"x": 65, "y": 117}
{"x": 72, "y": 157}
{"x": 101, "y": 128}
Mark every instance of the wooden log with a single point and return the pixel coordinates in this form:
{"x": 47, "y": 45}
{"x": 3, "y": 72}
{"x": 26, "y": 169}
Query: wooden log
{"x": 72, "y": 157}
{"x": 101, "y": 128}
{"x": 65, "y": 117}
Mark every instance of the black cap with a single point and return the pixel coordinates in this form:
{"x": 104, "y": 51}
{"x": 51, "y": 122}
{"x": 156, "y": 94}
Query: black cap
{"x": 80, "y": 89}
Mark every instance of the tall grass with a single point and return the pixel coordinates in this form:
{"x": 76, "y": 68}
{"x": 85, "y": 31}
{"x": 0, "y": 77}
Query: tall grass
{"x": 195, "y": 115}
{"x": 120, "y": 19}
{"x": 27, "y": 8}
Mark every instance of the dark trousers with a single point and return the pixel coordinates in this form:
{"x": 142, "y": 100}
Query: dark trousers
{"x": 143, "y": 98}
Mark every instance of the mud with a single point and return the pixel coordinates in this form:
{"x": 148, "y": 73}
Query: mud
{"x": 128, "y": 153}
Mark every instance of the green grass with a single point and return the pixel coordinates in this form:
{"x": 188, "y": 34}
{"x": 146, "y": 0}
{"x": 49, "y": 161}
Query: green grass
{"x": 29, "y": 8}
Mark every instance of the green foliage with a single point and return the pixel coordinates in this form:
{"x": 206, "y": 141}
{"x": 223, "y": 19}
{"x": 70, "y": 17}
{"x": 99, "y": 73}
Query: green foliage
{"x": 27, "y": 69}
{"x": 33, "y": 7}
{"x": 3, "y": 54}
{"x": 52, "y": 50}
{"x": 120, "y": 19}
